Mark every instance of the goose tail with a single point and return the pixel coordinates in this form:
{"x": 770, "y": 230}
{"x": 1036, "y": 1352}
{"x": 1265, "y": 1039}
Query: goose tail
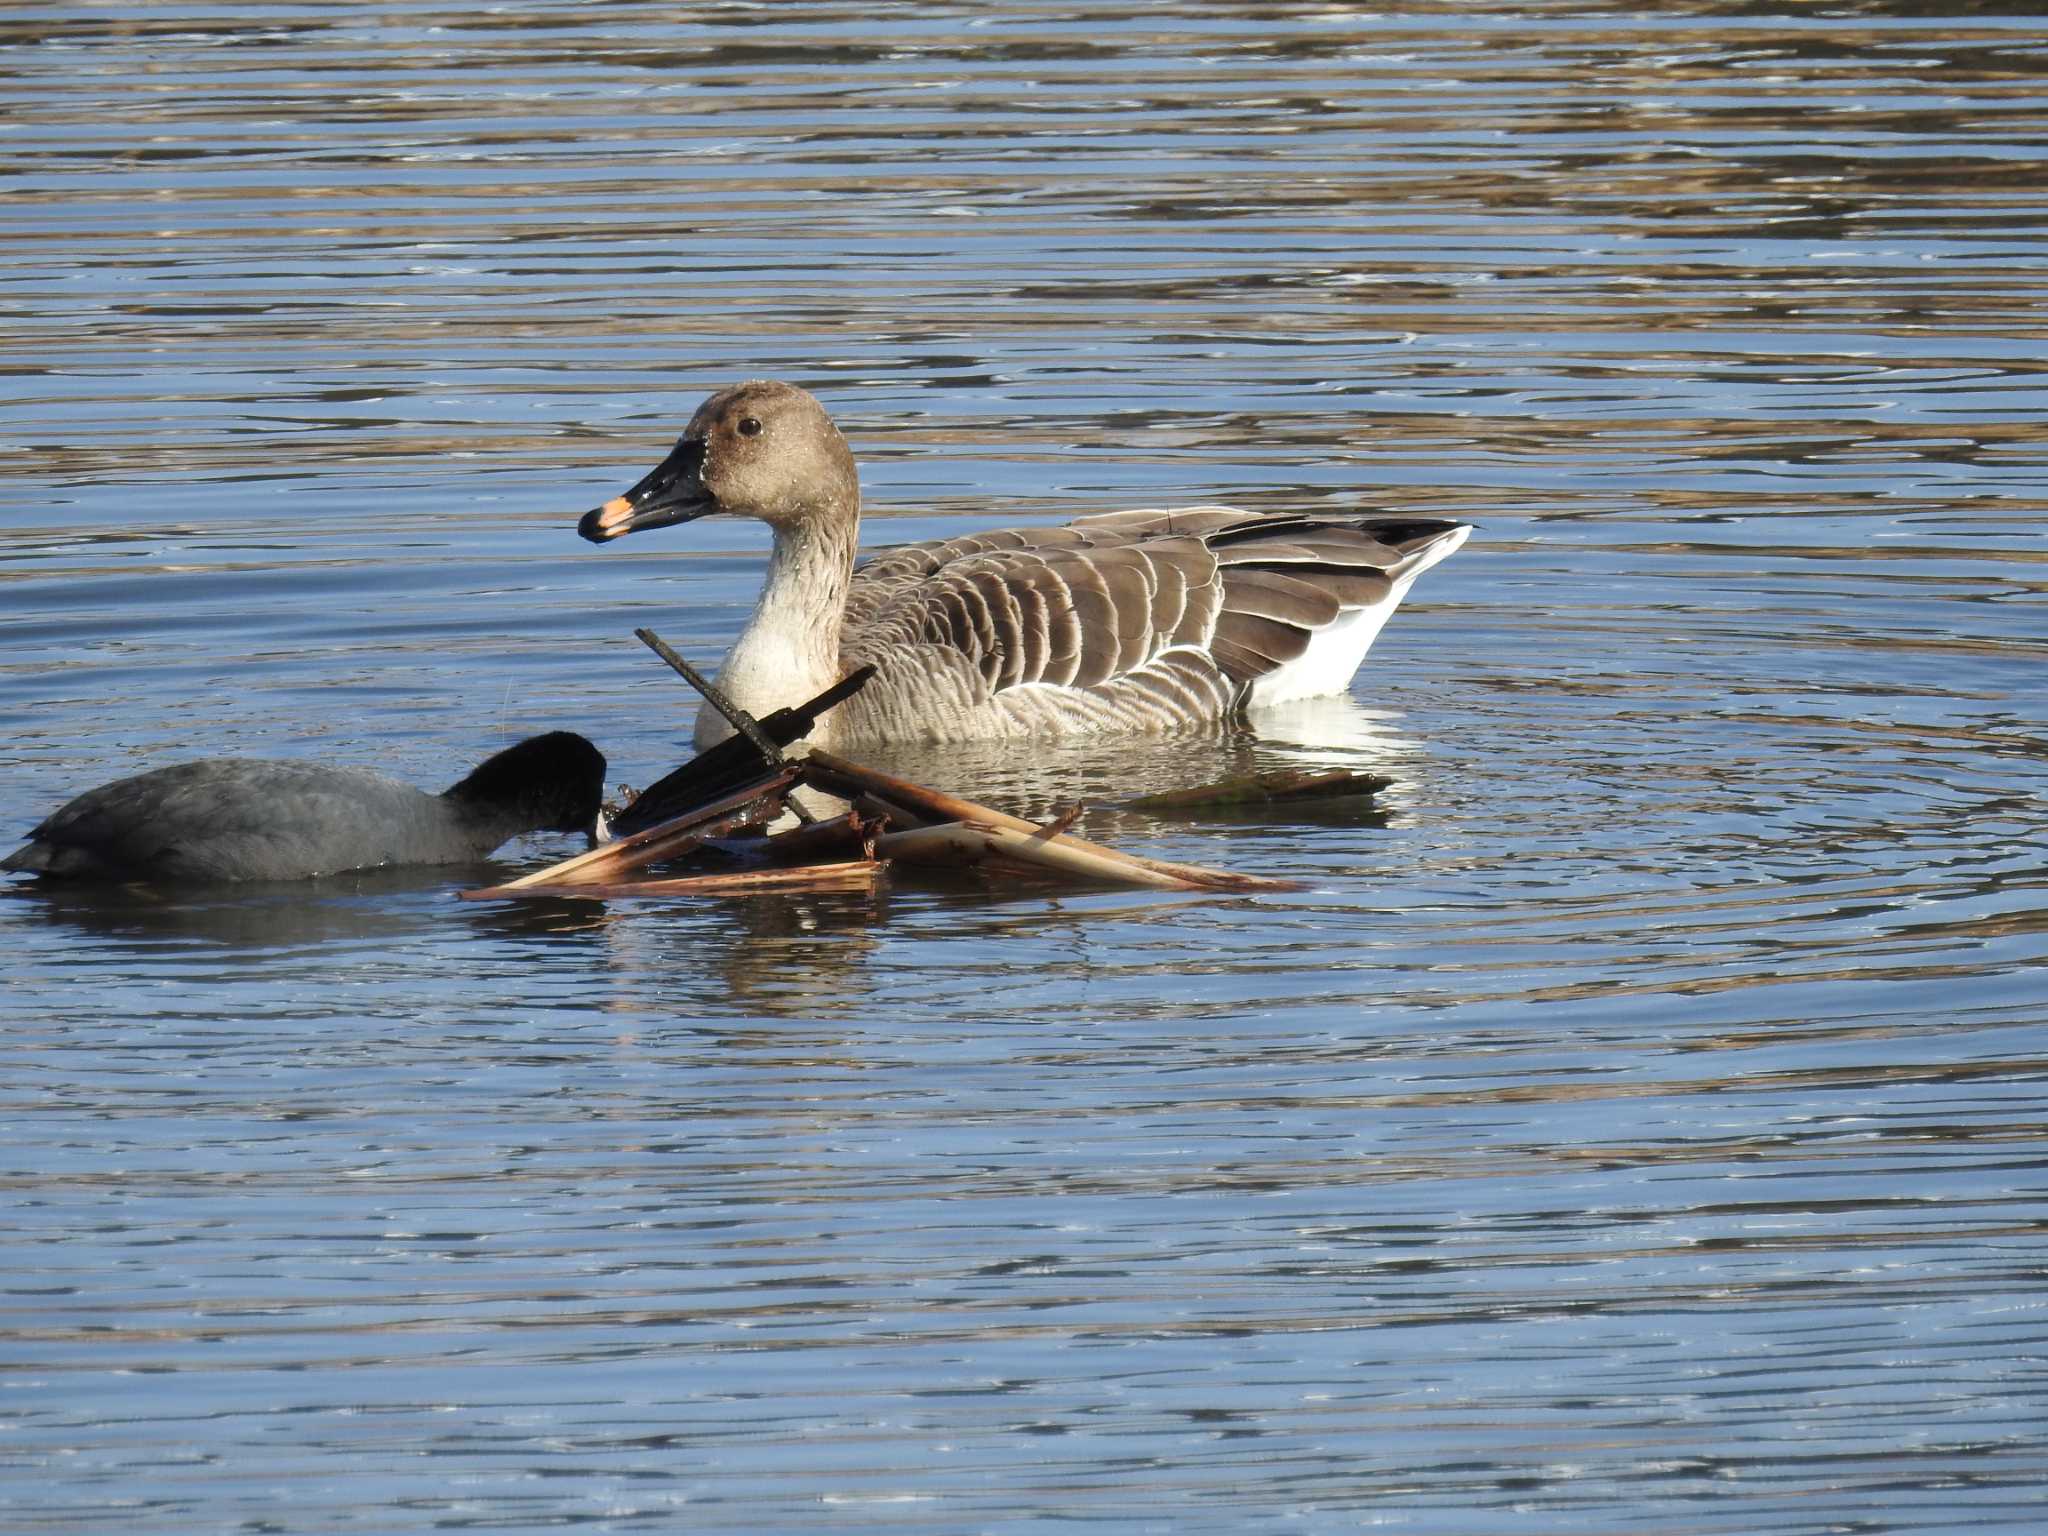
{"x": 1324, "y": 660}
{"x": 1422, "y": 542}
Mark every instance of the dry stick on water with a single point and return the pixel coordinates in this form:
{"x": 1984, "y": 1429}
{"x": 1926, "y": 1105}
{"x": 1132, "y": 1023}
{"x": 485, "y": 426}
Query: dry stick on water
{"x": 819, "y": 842}
{"x": 665, "y": 840}
{"x": 910, "y": 804}
{"x": 757, "y": 747}
{"x": 739, "y": 719}
{"x": 842, "y": 836}
{"x": 745, "y": 779}
{"x": 732, "y": 761}
{"x": 850, "y": 875}
{"x": 954, "y": 843}
{"x": 748, "y": 727}
{"x": 1262, "y": 789}
{"x": 1064, "y": 822}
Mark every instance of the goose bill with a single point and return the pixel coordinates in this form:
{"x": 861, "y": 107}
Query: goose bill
{"x": 672, "y": 492}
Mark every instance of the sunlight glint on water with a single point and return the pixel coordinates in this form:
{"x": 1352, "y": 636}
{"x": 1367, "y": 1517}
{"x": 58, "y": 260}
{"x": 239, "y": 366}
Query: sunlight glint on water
{"x": 1640, "y": 1128}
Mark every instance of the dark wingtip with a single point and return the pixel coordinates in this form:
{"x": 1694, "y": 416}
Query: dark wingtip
{"x": 1401, "y": 531}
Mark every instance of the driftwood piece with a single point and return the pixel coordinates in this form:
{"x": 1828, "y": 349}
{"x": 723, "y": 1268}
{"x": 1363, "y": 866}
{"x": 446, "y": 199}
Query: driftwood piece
{"x": 768, "y": 749}
{"x": 885, "y": 815}
{"x": 1257, "y": 790}
{"x": 845, "y": 836}
{"x": 951, "y": 844}
{"x": 852, "y": 874}
{"x": 892, "y": 818}
{"x": 759, "y": 800}
{"x": 736, "y": 760}
{"x": 911, "y": 803}
{"x": 1064, "y": 821}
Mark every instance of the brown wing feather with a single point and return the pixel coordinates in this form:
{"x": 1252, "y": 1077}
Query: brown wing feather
{"x": 883, "y": 577}
{"x": 1095, "y": 614}
{"x": 1033, "y": 614}
{"x": 1271, "y": 643}
{"x": 1103, "y": 597}
{"x": 1280, "y": 596}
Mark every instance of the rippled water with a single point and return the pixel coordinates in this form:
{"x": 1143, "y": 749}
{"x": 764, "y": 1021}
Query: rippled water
{"x": 1639, "y": 1129}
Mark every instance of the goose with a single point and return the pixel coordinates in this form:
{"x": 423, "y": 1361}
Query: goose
{"x": 1148, "y": 620}
{"x": 233, "y": 818}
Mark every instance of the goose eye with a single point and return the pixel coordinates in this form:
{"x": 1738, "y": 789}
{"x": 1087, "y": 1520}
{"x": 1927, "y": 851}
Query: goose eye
{"x": 750, "y": 426}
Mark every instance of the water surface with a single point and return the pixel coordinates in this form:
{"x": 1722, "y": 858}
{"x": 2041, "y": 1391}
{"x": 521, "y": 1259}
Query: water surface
{"x": 1635, "y": 1127}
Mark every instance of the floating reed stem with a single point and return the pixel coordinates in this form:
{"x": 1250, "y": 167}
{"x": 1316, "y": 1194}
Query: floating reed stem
{"x": 665, "y": 840}
{"x": 910, "y": 804}
{"x": 852, "y": 874}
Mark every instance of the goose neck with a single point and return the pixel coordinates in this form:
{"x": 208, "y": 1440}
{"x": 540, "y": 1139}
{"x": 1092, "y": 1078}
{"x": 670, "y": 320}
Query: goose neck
{"x": 789, "y": 649}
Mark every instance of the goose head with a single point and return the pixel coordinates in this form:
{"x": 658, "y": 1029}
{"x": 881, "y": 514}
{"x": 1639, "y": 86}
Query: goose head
{"x": 762, "y": 449}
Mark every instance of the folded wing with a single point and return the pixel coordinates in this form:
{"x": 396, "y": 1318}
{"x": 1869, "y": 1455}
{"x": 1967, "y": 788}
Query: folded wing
{"x": 1104, "y": 600}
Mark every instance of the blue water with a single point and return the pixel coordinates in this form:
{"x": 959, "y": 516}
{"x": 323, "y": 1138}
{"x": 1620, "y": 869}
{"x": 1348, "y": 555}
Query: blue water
{"x": 1635, "y": 1128}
